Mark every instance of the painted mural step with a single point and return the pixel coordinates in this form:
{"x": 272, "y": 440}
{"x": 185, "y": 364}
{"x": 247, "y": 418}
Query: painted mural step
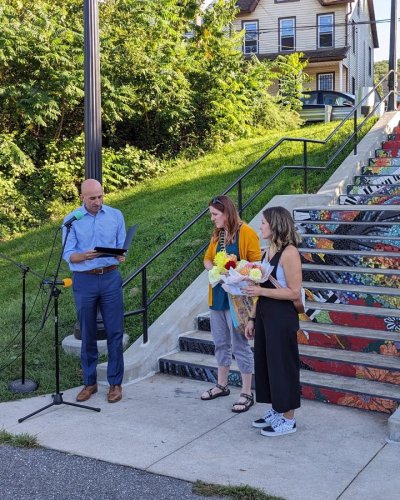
{"x": 349, "y": 228}
{"x": 384, "y": 162}
{"x": 352, "y": 338}
{"x": 202, "y": 342}
{"x": 312, "y": 285}
{"x": 381, "y": 312}
{"x": 197, "y": 341}
{"x": 364, "y": 199}
{"x": 362, "y": 180}
{"x": 351, "y": 242}
{"x": 378, "y": 189}
{"x": 375, "y": 318}
{"x": 353, "y": 275}
{"x": 348, "y": 391}
{"x": 370, "y": 296}
{"x": 380, "y": 170}
{"x": 357, "y": 213}
{"x": 365, "y": 258}
{"x": 382, "y": 342}
{"x": 367, "y": 366}
{"x": 328, "y": 388}
{"x": 386, "y": 153}
{"x": 390, "y": 144}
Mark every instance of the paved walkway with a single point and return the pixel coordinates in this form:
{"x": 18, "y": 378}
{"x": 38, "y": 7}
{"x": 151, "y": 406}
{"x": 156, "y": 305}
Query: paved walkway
{"x": 162, "y": 427}
{"x": 42, "y": 474}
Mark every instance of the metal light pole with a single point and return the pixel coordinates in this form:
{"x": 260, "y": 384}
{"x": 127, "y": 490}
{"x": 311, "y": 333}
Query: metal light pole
{"x": 92, "y": 91}
{"x": 393, "y": 57}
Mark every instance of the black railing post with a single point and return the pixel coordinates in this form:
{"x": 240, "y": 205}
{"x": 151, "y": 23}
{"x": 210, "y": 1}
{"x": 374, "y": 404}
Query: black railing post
{"x": 240, "y": 198}
{"x": 305, "y": 162}
{"x": 392, "y": 83}
{"x": 355, "y": 132}
{"x": 92, "y": 98}
{"x": 144, "y": 305}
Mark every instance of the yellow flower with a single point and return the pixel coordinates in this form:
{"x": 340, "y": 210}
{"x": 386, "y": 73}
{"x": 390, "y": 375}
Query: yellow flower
{"x": 220, "y": 260}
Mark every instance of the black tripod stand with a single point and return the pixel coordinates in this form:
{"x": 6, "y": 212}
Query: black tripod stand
{"x": 22, "y": 385}
{"x": 58, "y": 396}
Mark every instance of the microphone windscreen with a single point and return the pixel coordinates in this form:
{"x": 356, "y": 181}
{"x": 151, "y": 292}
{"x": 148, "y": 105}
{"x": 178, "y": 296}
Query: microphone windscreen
{"x": 79, "y": 215}
{"x": 67, "y": 282}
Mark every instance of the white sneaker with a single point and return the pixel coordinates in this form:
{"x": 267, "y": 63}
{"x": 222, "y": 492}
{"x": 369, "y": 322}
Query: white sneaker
{"x": 279, "y": 427}
{"x": 267, "y": 420}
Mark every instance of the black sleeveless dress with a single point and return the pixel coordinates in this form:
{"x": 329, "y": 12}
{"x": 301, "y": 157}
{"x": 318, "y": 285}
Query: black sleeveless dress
{"x": 276, "y": 353}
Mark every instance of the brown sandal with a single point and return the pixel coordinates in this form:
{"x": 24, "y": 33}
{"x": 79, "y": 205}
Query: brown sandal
{"x": 224, "y": 392}
{"x": 246, "y": 404}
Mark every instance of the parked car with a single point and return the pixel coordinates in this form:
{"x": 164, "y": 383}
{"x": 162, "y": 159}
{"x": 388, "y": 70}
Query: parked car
{"x": 316, "y": 102}
{"x": 331, "y": 97}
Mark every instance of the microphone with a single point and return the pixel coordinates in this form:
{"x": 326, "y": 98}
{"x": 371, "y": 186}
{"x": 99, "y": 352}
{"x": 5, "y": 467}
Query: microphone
{"x": 65, "y": 283}
{"x": 77, "y": 215}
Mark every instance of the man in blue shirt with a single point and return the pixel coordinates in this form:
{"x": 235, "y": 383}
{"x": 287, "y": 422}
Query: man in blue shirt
{"x": 97, "y": 281}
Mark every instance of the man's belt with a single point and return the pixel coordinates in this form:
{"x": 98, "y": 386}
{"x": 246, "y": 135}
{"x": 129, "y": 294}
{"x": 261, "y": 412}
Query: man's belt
{"x": 101, "y": 270}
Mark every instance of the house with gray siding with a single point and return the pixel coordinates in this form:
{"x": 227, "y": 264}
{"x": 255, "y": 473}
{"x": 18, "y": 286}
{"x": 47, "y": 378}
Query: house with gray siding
{"x": 337, "y": 37}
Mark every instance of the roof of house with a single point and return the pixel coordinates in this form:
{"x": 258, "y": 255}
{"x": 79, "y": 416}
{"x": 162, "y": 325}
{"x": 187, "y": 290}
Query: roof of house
{"x": 373, "y": 23}
{"x": 247, "y": 6}
{"x": 313, "y": 55}
{"x": 334, "y": 2}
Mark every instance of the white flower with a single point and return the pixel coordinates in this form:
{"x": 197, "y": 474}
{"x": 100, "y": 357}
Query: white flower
{"x": 255, "y": 274}
{"x": 214, "y": 276}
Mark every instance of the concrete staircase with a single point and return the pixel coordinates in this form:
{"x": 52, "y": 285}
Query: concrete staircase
{"x": 349, "y": 338}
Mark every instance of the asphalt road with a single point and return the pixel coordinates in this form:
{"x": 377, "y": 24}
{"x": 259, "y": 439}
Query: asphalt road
{"x": 42, "y": 474}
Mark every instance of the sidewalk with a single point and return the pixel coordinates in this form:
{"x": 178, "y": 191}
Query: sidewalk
{"x": 42, "y": 474}
{"x": 161, "y": 426}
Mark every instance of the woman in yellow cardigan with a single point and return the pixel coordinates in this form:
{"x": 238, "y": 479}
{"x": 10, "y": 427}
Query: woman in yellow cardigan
{"x": 233, "y": 235}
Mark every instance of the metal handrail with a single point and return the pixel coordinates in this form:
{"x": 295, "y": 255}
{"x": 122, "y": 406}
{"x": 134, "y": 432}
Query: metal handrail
{"x": 147, "y": 301}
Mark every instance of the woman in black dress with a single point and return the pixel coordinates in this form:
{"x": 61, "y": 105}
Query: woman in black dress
{"x": 274, "y": 324}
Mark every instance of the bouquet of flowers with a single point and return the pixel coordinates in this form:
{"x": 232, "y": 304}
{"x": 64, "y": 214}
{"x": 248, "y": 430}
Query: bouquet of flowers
{"x": 243, "y": 274}
{"x": 234, "y": 276}
{"x": 223, "y": 262}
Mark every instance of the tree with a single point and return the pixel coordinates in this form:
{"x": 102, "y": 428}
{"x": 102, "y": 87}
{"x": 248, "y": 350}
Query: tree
{"x": 292, "y": 79}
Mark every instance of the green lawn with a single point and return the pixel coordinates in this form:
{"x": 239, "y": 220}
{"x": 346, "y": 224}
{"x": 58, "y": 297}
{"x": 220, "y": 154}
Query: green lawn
{"x": 161, "y": 207}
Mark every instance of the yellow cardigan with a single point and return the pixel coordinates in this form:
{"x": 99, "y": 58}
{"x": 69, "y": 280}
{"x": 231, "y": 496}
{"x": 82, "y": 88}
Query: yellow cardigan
{"x": 249, "y": 249}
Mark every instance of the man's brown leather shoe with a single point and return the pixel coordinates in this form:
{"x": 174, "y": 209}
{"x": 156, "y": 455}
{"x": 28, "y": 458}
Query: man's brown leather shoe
{"x": 86, "y": 392}
{"x": 114, "y": 393}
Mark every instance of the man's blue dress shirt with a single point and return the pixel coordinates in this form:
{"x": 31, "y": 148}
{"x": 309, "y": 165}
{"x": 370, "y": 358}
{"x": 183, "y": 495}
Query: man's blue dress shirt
{"x": 105, "y": 229}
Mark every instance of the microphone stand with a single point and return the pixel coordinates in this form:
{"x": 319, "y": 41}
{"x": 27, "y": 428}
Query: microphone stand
{"x": 22, "y": 385}
{"x": 54, "y": 294}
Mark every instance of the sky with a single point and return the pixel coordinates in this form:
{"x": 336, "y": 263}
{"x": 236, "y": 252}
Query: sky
{"x": 382, "y": 11}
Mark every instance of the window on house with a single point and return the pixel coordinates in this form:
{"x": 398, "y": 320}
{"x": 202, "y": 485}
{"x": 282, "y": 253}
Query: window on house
{"x": 353, "y": 85}
{"x": 287, "y": 34}
{"x": 325, "y": 81}
{"x": 250, "y": 43}
{"x": 325, "y": 30}
{"x": 353, "y": 36}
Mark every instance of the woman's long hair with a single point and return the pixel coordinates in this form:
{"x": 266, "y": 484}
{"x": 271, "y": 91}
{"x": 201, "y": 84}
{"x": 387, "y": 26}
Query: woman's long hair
{"x": 283, "y": 231}
{"x": 233, "y": 221}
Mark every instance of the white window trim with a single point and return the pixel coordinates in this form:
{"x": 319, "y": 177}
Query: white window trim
{"x": 320, "y": 16}
{"x": 257, "y": 37}
{"x": 293, "y": 19}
